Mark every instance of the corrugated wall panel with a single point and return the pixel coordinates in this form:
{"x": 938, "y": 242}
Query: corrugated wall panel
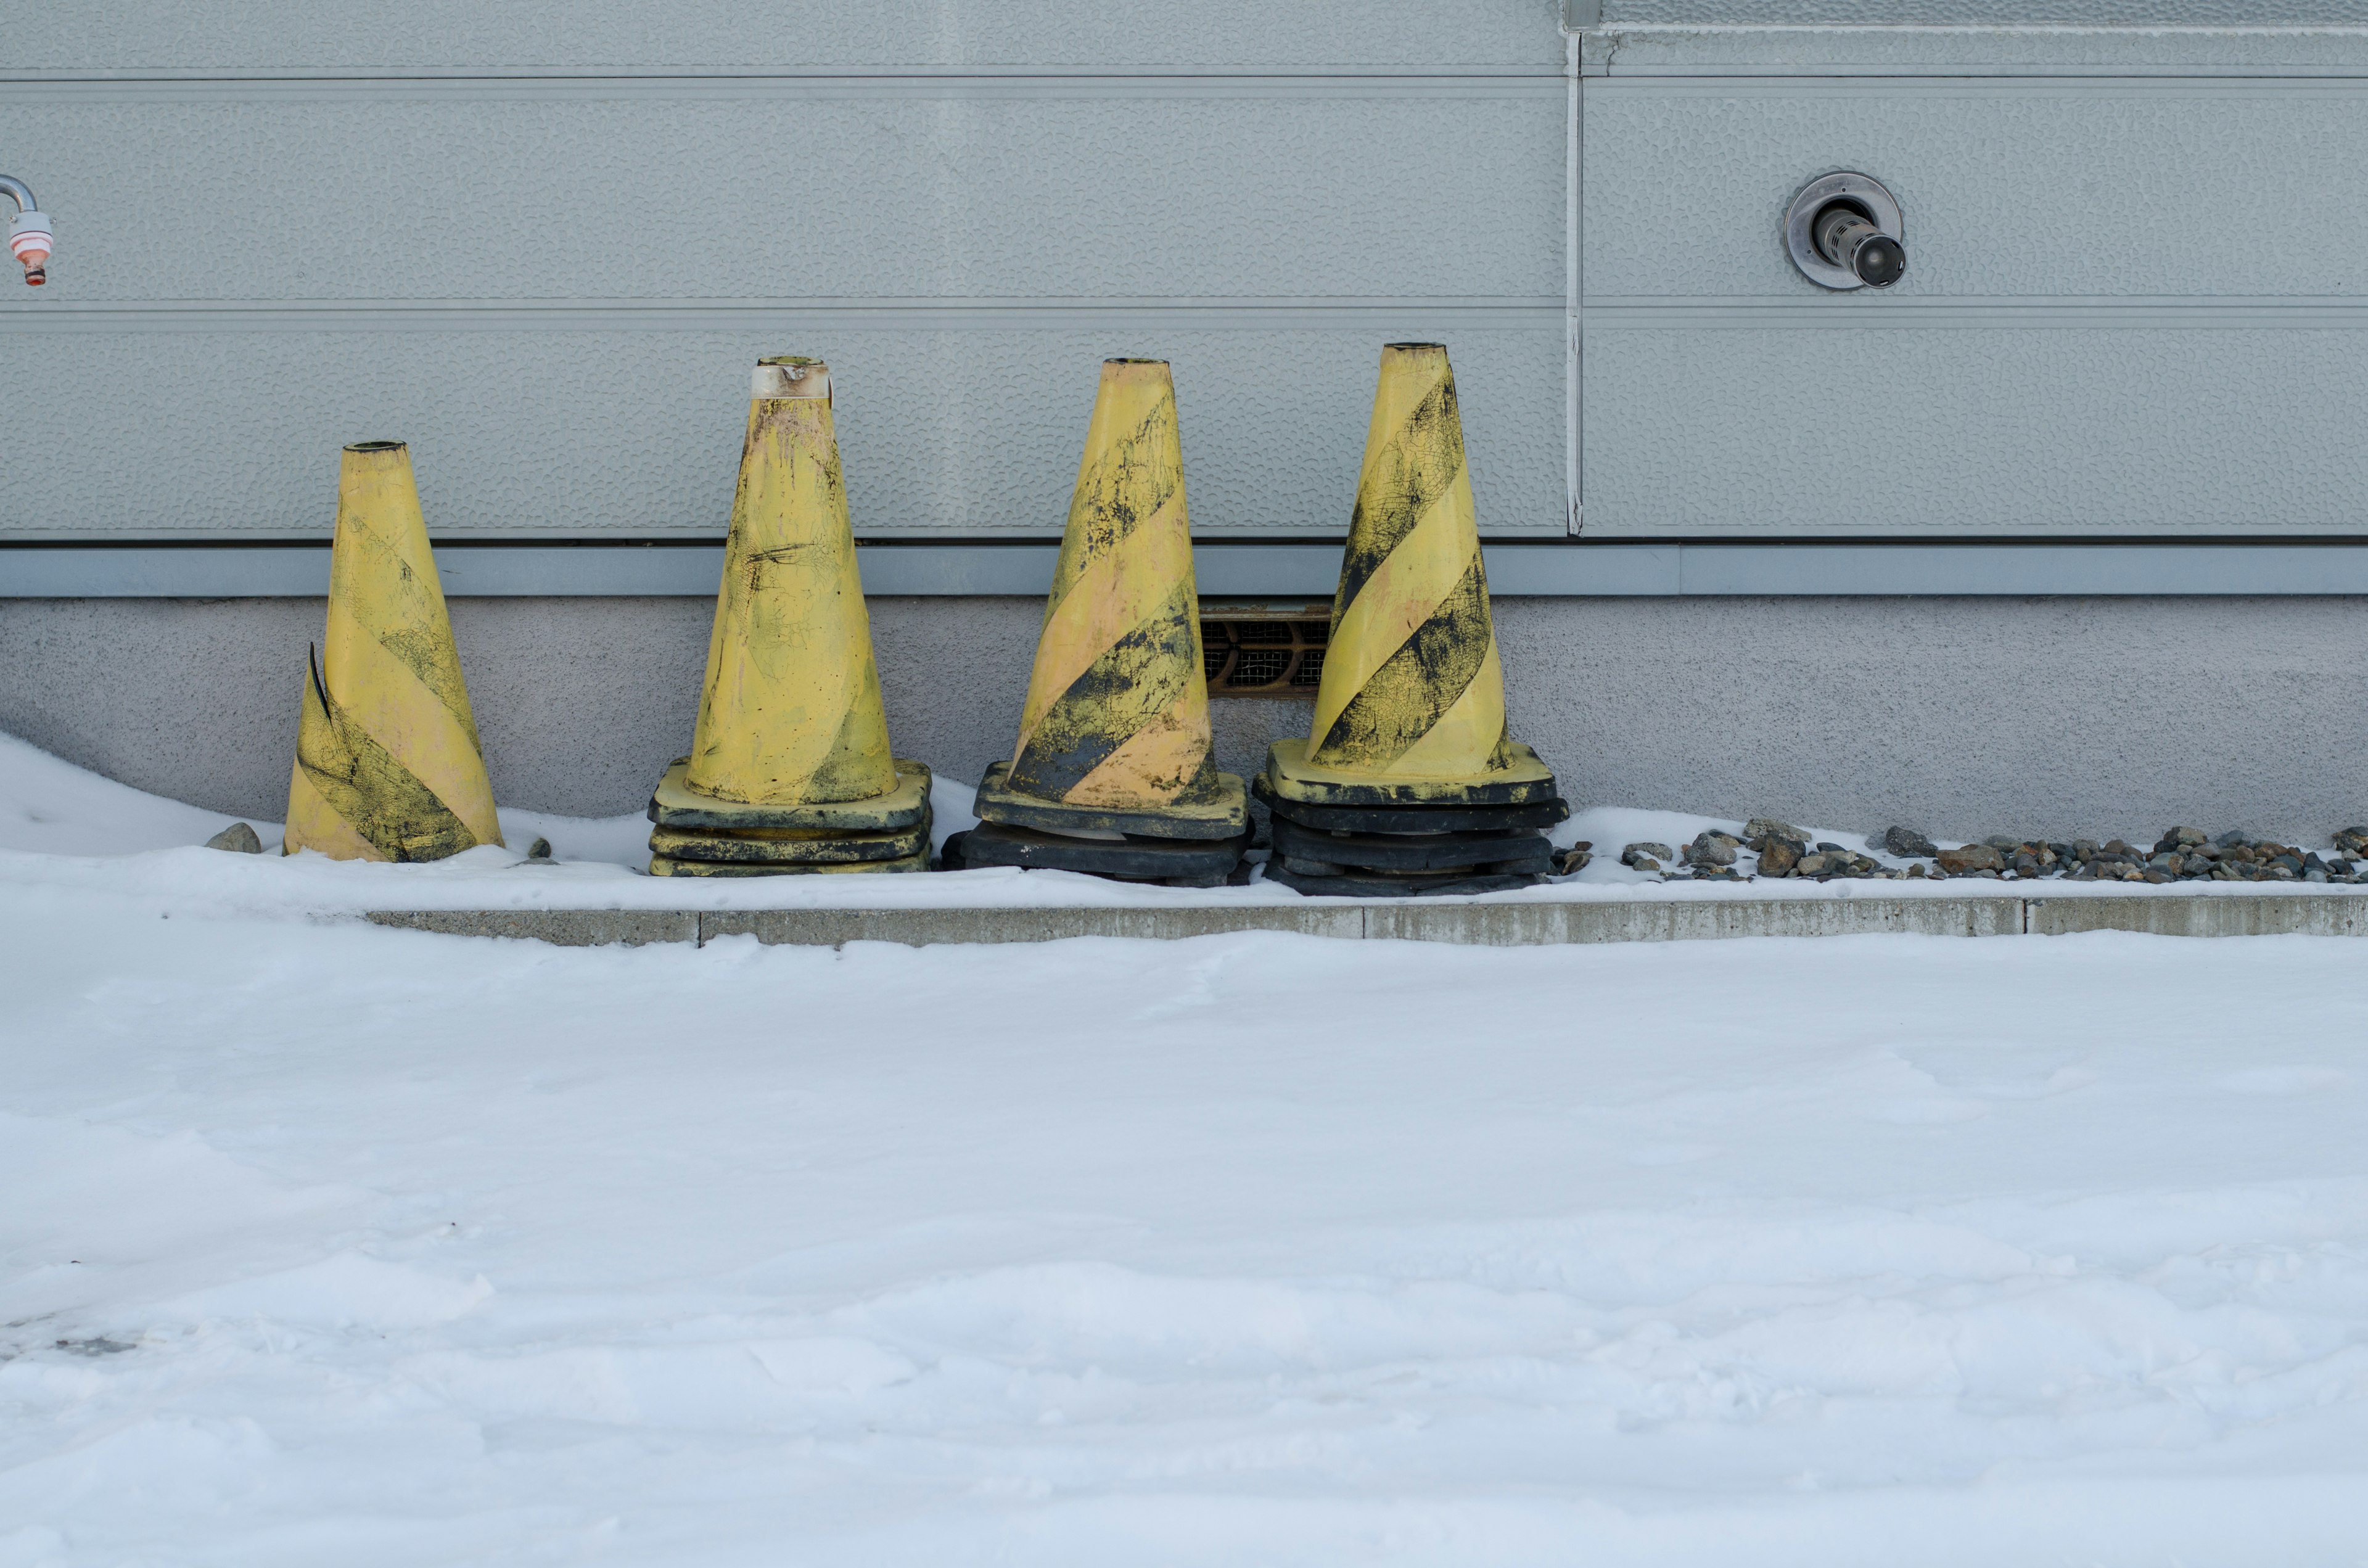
{"x": 446, "y": 224}
{"x": 2132, "y": 307}
{"x": 566, "y": 434}
{"x": 336, "y": 37}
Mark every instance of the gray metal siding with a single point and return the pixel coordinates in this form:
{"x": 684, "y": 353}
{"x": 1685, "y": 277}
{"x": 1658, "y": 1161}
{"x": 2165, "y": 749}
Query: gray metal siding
{"x": 2134, "y": 307}
{"x": 544, "y": 249}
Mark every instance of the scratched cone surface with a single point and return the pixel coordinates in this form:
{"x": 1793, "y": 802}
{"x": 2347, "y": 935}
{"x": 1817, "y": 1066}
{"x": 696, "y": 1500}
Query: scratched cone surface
{"x": 388, "y": 764}
{"x": 1118, "y": 704}
{"x": 790, "y": 711}
{"x": 1411, "y": 687}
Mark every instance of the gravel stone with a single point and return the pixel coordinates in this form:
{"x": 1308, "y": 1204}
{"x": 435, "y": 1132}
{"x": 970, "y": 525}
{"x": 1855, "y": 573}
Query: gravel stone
{"x": 238, "y": 838}
{"x": 1713, "y": 848}
{"x": 1972, "y": 857}
{"x": 1908, "y": 843}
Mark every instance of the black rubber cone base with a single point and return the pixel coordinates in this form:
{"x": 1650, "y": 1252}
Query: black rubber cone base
{"x": 1225, "y": 816}
{"x": 1184, "y": 861}
{"x": 794, "y": 846}
{"x": 667, "y": 866}
{"x": 1347, "y": 883}
{"x": 1412, "y": 819}
{"x": 1518, "y": 851}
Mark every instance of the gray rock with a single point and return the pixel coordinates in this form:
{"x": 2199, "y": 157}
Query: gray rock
{"x": 1970, "y": 859}
{"x": 1815, "y": 863}
{"x": 1713, "y": 848}
{"x": 2352, "y": 840}
{"x": 2232, "y": 838}
{"x": 1908, "y": 843}
{"x": 1574, "y": 859}
{"x": 2004, "y": 843}
{"x": 539, "y": 850}
{"x": 2183, "y": 837}
{"x": 1655, "y": 853}
{"x": 1757, "y": 832}
{"x": 1780, "y": 857}
{"x": 238, "y": 838}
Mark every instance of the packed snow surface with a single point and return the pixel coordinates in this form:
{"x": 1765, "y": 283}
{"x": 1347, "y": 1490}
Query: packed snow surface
{"x": 324, "y": 1242}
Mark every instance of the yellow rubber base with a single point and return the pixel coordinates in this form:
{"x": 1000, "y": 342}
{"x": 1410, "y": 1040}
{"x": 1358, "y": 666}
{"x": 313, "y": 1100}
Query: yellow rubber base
{"x": 768, "y": 845}
{"x": 667, "y": 866}
{"x": 674, "y": 804}
{"x": 1227, "y": 817}
{"x": 1290, "y": 775}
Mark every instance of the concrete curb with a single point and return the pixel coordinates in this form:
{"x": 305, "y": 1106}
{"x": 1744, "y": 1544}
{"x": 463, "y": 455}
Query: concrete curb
{"x": 1485, "y": 925}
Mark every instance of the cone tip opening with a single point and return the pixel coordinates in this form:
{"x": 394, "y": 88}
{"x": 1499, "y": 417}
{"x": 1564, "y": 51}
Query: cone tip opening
{"x": 781, "y": 376}
{"x": 375, "y": 449}
{"x": 1124, "y": 359}
{"x": 1414, "y": 348}
{"x": 1137, "y": 372}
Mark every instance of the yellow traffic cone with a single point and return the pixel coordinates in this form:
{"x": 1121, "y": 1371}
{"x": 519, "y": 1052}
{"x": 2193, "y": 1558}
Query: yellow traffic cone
{"x": 1114, "y": 737}
{"x": 1409, "y": 719}
{"x": 789, "y": 768}
{"x": 388, "y": 764}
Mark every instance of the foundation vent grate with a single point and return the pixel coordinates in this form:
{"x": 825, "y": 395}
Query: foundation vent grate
{"x": 1264, "y": 650}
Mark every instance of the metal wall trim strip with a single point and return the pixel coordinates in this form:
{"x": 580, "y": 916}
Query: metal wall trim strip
{"x": 1623, "y": 570}
{"x": 51, "y": 90}
{"x": 1519, "y": 313}
{"x": 2150, "y": 312}
{"x": 1644, "y": 52}
{"x": 2261, "y": 83}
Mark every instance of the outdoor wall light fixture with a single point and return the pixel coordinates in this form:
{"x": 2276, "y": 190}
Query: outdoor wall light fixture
{"x": 29, "y": 238}
{"x": 1844, "y": 231}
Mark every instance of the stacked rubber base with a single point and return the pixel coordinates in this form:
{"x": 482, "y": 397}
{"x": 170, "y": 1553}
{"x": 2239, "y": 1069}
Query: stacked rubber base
{"x": 1348, "y": 834}
{"x": 699, "y": 836}
{"x": 1196, "y": 845}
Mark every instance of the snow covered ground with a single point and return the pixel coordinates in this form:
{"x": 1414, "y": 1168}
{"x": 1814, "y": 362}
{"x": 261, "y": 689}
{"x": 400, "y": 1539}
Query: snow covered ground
{"x": 91, "y": 834}
{"x": 328, "y": 1243}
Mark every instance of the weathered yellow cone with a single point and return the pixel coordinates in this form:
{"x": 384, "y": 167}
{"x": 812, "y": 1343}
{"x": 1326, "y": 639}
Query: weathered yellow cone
{"x": 1411, "y": 685}
{"x": 791, "y": 712}
{"x": 1118, "y": 705}
{"x": 388, "y": 764}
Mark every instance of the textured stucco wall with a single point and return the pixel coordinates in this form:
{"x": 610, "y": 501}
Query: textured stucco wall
{"x": 1961, "y": 716}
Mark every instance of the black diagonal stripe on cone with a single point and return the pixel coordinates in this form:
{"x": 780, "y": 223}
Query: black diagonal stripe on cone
{"x": 378, "y": 798}
{"x": 1401, "y": 700}
{"x": 1138, "y": 481}
{"x": 1420, "y": 462}
{"x": 1136, "y": 680}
